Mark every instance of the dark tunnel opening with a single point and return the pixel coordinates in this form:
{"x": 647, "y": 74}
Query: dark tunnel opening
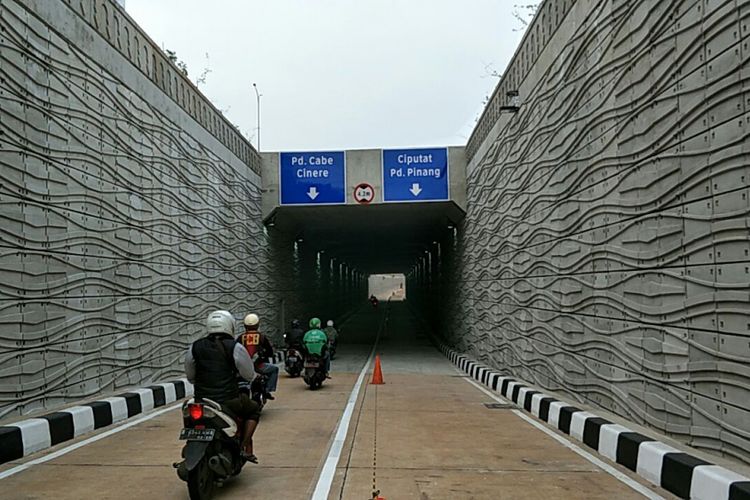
{"x": 325, "y": 257}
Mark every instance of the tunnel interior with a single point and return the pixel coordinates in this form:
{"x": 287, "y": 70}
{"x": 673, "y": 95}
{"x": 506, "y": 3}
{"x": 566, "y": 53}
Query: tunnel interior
{"x": 334, "y": 251}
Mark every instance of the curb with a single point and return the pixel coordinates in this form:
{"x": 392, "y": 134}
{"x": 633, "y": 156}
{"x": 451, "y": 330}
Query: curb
{"x": 23, "y": 438}
{"x": 35, "y": 434}
{"x": 662, "y": 465}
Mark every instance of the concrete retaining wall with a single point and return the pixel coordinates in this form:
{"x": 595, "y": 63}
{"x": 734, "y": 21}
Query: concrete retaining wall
{"x": 605, "y": 249}
{"x": 129, "y": 208}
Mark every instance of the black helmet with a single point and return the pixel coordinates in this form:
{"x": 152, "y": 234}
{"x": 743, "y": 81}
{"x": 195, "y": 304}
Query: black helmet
{"x": 295, "y": 323}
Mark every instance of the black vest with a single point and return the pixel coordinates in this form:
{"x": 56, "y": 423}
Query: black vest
{"x": 215, "y": 371}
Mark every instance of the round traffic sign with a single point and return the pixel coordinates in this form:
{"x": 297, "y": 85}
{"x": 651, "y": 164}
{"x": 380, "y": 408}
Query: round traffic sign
{"x": 364, "y": 193}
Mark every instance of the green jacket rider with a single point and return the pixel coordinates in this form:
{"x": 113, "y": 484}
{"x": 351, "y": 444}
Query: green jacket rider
{"x": 316, "y": 342}
{"x": 315, "y": 339}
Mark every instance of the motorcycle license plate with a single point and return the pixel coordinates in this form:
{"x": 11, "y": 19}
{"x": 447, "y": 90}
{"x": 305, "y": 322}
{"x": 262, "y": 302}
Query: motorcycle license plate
{"x": 293, "y": 359}
{"x": 197, "y": 434}
{"x": 311, "y": 364}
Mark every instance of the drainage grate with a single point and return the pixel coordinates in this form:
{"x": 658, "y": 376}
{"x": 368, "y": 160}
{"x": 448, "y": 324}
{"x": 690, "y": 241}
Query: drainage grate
{"x": 500, "y": 406}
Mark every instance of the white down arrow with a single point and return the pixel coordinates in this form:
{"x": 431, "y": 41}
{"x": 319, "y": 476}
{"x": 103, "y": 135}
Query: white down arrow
{"x": 415, "y": 189}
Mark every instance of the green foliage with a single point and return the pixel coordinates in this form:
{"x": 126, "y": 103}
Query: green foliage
{"x": 172, "y": 56}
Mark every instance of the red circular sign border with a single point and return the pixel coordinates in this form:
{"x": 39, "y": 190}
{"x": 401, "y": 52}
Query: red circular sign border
{"x": 363, "y": 185}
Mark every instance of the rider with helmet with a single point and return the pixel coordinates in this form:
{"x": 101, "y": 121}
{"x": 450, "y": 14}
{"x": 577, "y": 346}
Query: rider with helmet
{"x": 331, "y": 331}
{"x": 294, "y": 337}
{"x": 316, "y": 342}
{"x": 212, "y": 364}
{"x": 332, "y": 335}
{"x": 260, "y": 349}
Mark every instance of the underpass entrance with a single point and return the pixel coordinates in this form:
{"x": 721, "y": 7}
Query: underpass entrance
{"x": 343, "y": 222}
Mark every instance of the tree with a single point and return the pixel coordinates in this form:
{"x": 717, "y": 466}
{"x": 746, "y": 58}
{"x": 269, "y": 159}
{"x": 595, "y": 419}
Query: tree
{"x": 524, "y": 13}
{"x": 172, "y": 56}
{"x": 202, "y": 79}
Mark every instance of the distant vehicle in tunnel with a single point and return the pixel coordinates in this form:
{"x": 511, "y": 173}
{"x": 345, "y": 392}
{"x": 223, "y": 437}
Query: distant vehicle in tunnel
{"x": 317, "y": 357}
{"x": 374, "y": 301}
{"x": 315, "y": 372}
{"x": 332, "y": 348}
{"x": 294, "y": 361}
{"x": 333, "y": 339}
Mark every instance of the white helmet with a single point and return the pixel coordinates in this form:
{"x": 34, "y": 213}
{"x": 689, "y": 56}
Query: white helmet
{"x": 220, "y": 322}
{"x": 330, "y": 322}
{"x": 252, "y": 320}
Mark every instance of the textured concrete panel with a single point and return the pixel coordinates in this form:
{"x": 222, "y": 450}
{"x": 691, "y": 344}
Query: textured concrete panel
{"x": 605, "y": 249}
{"x": 127, "y": 213}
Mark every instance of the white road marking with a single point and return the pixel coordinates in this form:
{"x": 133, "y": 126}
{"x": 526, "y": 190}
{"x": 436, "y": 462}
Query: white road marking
{"x": 81, "y": 444}
{"x": 643, "y": 490}
{"x": 323, "y": 487}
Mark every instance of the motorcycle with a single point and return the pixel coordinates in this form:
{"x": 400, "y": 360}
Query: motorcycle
{"x": 212, "y": 450}
{"x": 256, "y": 389}
{"x": 294, "y": 362}
{"x": 332, "y": 348}
{"x": 315, "y": 371}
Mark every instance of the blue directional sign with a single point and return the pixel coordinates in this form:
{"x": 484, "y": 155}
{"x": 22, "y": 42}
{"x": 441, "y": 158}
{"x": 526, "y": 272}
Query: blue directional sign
{"x": 415, "y": 174}
{"x": 312, "y": 178}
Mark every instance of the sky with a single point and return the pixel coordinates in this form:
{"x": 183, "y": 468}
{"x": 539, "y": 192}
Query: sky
{"x": 341, "y": 74}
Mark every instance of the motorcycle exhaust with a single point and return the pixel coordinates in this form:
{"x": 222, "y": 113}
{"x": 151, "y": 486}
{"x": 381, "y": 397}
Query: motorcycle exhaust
{"x": 182, "y": 471}
{"x": 220, "y": 464}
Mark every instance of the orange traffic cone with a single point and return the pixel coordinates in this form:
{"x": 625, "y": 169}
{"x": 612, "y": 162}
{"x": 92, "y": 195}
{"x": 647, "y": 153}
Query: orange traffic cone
{"x": 377, "y": 374}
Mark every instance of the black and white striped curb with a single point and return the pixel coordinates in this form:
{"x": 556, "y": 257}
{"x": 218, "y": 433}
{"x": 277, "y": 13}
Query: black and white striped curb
{"x": 28, "y": 436}
{"x": 680, "y": 473}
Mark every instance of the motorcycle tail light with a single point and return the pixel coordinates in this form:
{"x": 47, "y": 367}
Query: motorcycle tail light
{"x": 195, "y": 411}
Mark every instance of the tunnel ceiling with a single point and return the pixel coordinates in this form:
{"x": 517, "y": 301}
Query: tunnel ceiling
{"x": 372, "y": 238}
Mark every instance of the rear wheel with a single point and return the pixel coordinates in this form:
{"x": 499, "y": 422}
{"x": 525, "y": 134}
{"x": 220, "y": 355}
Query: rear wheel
{"x": 201, "y": 481}
{"x": 316, "y": 383}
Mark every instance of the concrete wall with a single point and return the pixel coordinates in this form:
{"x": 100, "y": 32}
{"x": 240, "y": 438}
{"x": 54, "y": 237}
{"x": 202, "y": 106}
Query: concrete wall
{"x": 605, "y": 250}
{"x": 129, "y": 208}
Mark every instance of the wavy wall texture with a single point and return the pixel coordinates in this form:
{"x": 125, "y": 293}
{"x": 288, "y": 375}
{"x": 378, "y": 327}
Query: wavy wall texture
{"x": 605, "y": 250}
{"x": 120, "y": 229}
